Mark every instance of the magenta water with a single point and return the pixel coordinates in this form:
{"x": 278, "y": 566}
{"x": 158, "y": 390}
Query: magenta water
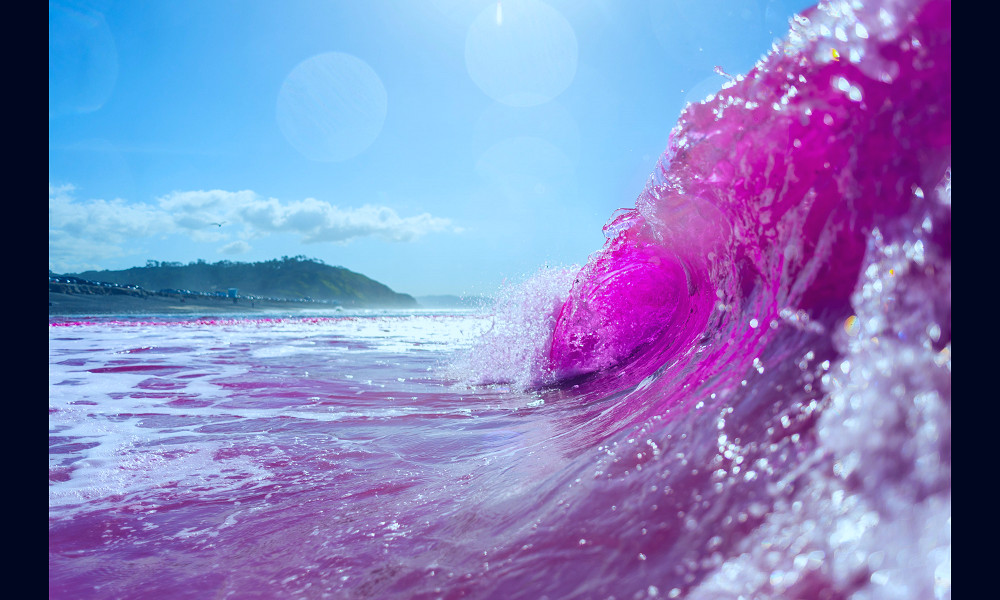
{"x": 745, "y": 393}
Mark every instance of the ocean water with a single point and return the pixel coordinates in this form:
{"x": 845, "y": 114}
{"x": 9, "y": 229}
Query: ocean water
{"x": 746, "y": 393}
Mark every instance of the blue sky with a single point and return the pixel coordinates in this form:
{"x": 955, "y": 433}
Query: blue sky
{"x": 437, "y": 146}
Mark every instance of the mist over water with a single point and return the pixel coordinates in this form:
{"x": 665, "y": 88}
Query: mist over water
{"x": 745, "y": 393}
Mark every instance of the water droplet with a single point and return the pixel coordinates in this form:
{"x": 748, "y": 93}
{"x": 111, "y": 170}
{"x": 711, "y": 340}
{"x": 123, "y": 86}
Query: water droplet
{"x": 851, "y": 325}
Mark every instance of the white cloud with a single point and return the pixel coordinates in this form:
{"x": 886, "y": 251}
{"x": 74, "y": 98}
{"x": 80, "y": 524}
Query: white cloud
{"x": 317, "y": 221}
{"x": 237, "y": 247}
{"x": 313, "y": 220}
{"x": 201, "y": 210}
{"x": 94, "y": 229}
{"x": 103, "y": 221}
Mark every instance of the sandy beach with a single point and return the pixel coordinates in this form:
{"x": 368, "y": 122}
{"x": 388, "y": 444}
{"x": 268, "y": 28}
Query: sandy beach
{"x": 113, "y": 304}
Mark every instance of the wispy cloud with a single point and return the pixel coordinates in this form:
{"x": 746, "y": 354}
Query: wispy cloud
{"x": 93, "y": 229}
{"x": 317, "y": 221}
{"x": 237, "y": 247}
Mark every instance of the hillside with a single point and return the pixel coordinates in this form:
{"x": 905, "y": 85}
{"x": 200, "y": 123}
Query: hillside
{"x": 286, "y": 278}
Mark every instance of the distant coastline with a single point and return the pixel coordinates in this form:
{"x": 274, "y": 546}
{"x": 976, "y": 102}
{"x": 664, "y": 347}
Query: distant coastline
{"x": 72, "y": 297}
{"x": 288, "y": 279}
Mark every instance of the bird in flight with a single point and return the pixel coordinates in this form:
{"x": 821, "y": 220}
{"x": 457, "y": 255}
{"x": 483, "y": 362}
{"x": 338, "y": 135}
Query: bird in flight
{"x": 219, "y": 224}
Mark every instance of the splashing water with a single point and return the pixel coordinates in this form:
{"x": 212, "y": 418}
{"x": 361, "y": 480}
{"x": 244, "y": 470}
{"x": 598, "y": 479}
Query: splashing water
{"x": 514, "y": 349}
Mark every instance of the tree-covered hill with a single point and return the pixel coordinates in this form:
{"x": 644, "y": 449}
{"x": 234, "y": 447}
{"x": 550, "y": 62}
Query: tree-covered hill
{"x": 295, "y": 277}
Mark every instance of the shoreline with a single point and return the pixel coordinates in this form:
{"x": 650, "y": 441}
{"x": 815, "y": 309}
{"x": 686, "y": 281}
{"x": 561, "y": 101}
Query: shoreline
{"x": 77, "y": 305}
{"x": 63, "y": 305}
